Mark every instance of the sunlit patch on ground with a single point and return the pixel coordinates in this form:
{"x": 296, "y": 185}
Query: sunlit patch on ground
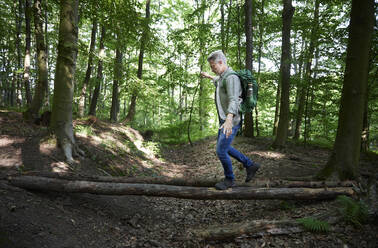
{"x": 60, "y": 167}
{"x": 10, "y": 155}
{"x": 5, "y": 141}
{"x": 269, "y": 154}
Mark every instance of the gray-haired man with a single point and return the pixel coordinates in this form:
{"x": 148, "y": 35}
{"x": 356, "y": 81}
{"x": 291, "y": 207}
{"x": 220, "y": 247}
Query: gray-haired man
{"x": 227, "y": 100}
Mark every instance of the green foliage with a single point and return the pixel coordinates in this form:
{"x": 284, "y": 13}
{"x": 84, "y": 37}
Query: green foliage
{"x": 84, "y": 129}
{"x": 314, "y": 225}
{"x": 353, "y": 212}
{"x": 177, "y": 133}
{"x": 287, "y": 205}
{"x": 181, "y": 35}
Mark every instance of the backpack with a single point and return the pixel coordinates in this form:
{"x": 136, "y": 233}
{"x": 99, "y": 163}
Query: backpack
{"x": 250, "y": 89}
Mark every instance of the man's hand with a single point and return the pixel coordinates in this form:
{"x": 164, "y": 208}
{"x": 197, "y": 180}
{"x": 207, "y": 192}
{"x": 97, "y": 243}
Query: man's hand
{"x": 227, "y": 125}
{"x": 206, "y": 75}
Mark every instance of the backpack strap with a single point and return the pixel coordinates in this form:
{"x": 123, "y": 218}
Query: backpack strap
{"x": 226, "y": 76}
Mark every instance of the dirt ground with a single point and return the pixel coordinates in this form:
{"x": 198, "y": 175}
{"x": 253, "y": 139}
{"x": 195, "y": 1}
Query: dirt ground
{"x": 35, "y": 219}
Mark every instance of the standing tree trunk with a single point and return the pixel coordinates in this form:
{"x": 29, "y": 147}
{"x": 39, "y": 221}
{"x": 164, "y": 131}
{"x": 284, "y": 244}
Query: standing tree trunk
{"x": 239, "y": 35}
{"x": 307, "y": 76}
{"x": 228, "y": 27}
{"x": 47, "y": 55}
{"x": 261, "y": 32}
{"x": 248, "y": 126}
{"x": 287, "y": 15}
{"x": 89, "y": 69}
{"x": 143, "y": 42}
{"x": 309, "y": 105}
{"x": 117, "y": 77}
{"x": 61, "y": 120}
{"x": 96, "y": 92}
{"x": 299, "y": 88}
{"x": 365, "y": 126}
{"x": 18, "y": 48}
{"x": 346, "y": 151}
{"x": 223, "y": 35}
{"x": 277, "y": 109}
{"x": 201, "y": 61}
{"x": 27, "y": 52}
{"x": 40, "y": 90}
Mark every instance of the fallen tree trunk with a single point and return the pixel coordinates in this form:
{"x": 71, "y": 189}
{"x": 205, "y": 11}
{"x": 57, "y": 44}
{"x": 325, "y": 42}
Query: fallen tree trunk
{"x": 256, "y": 228}
{"x": 198, "y": 182}
{"x": 237, "y": 193}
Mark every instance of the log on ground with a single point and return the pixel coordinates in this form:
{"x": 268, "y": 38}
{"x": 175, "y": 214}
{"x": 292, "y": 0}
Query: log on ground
{"x": 198, "y": 182}
{"x": 201, "y": 193}
{"x": 255, "y": 228}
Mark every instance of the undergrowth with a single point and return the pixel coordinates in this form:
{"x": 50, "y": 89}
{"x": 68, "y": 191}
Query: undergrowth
{"x": 353, "y": 212}
{"x": 314, "y": 225}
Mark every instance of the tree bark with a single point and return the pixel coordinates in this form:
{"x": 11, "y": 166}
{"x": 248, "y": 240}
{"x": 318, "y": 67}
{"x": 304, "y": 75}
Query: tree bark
{"x": 47, "y": 55}
{"x": 61, "y": 120}
{"x": 239, "y": 34}
{"x": 261, "y": 32}
{"x": 277, "y": 108}
{"x": 248, "y": 124}
{"x": 40, "y": 90}
{"x": 27, "y": 53}
{"x": 89, "y": 69}
{"x": 242, "y": 193}
{"x": 223, "y": 34}
{"x": 117, "y": 77}
{"x": 18, "y": 48}
{"x": 287, "y": 15}
{"x": 144, "y": 39}
{"x": 346, "y": 150}
{"x": 96, "y": 92}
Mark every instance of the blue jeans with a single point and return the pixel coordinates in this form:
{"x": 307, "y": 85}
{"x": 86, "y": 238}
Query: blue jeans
{"x": 225, "y": 150}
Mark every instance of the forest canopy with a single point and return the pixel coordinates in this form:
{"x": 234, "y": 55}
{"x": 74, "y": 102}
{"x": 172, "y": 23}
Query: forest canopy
{"x": 140, "y": 61}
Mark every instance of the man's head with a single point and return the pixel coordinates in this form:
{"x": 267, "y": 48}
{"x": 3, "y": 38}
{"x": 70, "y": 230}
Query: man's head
{"x": 218, "y": 62}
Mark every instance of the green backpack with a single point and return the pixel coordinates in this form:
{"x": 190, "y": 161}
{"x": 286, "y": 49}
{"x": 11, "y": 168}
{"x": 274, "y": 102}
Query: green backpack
{"x": 250, "y": 89}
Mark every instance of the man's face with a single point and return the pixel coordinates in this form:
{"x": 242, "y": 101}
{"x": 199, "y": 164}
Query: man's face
{"x": 216, "y": 67}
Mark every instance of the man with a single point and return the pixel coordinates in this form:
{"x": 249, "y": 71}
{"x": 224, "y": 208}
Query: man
{"x": 227, "y": 100}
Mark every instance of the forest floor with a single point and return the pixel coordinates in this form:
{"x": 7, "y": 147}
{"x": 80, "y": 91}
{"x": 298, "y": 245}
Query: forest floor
{"x": 36, "y": 219}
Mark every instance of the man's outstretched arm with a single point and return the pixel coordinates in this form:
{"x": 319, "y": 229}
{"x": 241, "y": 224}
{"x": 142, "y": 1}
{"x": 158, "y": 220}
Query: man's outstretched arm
{"x": 207, "y": 75}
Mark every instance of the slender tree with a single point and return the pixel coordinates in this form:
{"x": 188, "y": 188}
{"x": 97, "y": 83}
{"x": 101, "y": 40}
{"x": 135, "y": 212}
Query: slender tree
{"x": 99, "y": 77}
{"x": 346, "y": 150}
{"x": 61, "y": 120}
{"x": 307, "y": 77}
{"x": 28, "y": 11}
{"x": 261, "y": 32}
{"x": 40, "y": 90}
{"x": 248, "y": 131}
{"x": 89, "y": 68}
{"x": 287, "y": 15}
{"x": 143, "y": 42}
{"x": 19, "y": 19}
{"x": 117, "y": 77}
{"x": 277, "y": 108}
